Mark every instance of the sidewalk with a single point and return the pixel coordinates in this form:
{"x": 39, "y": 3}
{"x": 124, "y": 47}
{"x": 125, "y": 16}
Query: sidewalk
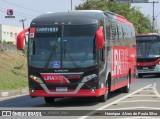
{"x": 9, "y": 93}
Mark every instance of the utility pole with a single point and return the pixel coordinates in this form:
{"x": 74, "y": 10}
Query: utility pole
{"x": 71, "y": 5}
{"x": 22, "y": 20}
{"x": 153, "y": 18}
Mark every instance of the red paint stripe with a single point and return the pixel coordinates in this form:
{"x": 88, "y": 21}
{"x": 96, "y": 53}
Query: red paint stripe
{"x": 148, "y": 63}
{"x": 124, "y": 20}
{"x": 81, "y": 93}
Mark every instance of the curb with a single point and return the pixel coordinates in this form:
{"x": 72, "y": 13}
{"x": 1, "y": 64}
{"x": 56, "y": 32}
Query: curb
{"x": 9, "y": 93}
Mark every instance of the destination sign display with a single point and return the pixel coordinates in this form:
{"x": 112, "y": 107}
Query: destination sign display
{"x": 147, "y": 38}
{"x": 46, "y": 29}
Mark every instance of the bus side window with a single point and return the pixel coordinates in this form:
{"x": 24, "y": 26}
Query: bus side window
{"x": 108, "y": 36}
{"x": 117, "y": 33}
{"x": 113, "y": 33}
{"x": 123, "y": 35}
{"x": 101, "y": 52}
{"x": 120, "y": 33}
{"x": 130, "y": 36}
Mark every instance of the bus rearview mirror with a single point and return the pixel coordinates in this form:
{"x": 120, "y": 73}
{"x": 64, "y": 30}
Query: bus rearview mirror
{"x": 20, "y": 39}
{"x": 99, "y": 38}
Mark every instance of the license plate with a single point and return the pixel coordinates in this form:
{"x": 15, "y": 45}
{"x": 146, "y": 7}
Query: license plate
{"x": 61, "y": 89}
{"x": 142, "y": 70}
{"x": 145, "y": 67}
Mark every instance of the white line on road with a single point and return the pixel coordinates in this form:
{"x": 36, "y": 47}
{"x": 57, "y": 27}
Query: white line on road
{"x": 155, "y": 90}
{"x": 140, "y": 117}
{"x": 103, "y": 107}
{"x": 131, "y": 108}
{"x": 139, "y": 101}
{"x": 144, "y": 95}
{"x": 146, "y": 90}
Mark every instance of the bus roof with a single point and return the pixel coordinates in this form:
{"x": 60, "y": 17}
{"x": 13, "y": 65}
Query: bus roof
{"x": 147, "y": 37}
{"x": 73, "y": 17}
{"x": 76, "y": 17}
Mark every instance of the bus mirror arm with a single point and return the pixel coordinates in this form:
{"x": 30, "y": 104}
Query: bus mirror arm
{"x": 100, "y": 38}
{"x": 21, "y": 39}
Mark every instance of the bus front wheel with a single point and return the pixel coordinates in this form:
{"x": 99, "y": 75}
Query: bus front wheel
{"x": 49, "y": 99}
{"x": 104, "y": 97}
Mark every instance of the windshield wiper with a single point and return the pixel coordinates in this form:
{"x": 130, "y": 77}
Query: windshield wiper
{"x": 53, "y": 53}
{"x": 68, "y": 53}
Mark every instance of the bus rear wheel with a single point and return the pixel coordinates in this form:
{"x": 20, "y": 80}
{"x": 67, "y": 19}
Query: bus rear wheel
{"x": 49, "y": 99}
{"x": 127, "y": 87}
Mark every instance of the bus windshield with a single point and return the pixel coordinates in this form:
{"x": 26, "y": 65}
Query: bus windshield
{"x": 69, "y": 46}
{"x": 148, "y": 49}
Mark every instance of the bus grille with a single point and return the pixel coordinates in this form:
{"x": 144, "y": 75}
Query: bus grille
{"x": 141, "y": 68}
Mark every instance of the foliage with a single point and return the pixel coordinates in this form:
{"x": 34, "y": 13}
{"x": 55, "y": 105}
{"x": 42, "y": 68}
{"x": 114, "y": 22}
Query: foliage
{"x": 13, "y": 71}
{"x": 4, "y": 42}
{"x": 141, "y": 23}
{"x": 24, "y": 51}
{"x": 10, "y": 42}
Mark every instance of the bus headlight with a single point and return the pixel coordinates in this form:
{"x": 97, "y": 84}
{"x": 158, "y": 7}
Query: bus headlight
{"x": 36, "y": 79}
{"x": 158, "y": 63}
{"x": 89, "y": 77}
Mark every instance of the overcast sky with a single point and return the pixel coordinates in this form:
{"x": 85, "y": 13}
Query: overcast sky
{"x": 29, "y": 9}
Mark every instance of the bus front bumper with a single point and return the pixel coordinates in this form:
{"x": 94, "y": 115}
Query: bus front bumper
{"x": 70, "y": 93}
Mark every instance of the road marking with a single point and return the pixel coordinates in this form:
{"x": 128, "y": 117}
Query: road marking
{"x": 130, "y": 108}
{"x": 143, "y": 95}
{"x": 139, "y": 101}
{"x": 155, "y": 90}
{"x": 140, "y": 117}
{"x": 103, "y": 107}
{"x": 146, "y": 90}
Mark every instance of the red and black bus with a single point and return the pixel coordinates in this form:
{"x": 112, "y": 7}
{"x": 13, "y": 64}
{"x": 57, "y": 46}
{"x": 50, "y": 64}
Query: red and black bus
{"x": 148, "y": 54}
{"x": 79, "y": 53}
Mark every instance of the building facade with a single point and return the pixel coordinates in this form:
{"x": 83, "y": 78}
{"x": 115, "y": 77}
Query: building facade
{"x": 9, "y": 33}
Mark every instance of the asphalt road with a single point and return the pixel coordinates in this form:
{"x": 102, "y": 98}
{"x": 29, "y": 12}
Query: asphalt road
{"x": 144, "y": 95}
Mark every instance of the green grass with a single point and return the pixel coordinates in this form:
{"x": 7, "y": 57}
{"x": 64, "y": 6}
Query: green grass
{"x": 13, "y": 71}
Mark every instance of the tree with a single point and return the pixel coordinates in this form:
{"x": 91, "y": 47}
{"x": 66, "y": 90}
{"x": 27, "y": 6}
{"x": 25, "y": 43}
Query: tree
{"x": 141, "y": 23}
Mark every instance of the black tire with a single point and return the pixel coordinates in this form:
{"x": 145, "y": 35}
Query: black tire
{"x": 104, "y": 97}
{"x": 126, "y": 89}
{"x": 49, "y": 99}
{"x": 140, "y": 75}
